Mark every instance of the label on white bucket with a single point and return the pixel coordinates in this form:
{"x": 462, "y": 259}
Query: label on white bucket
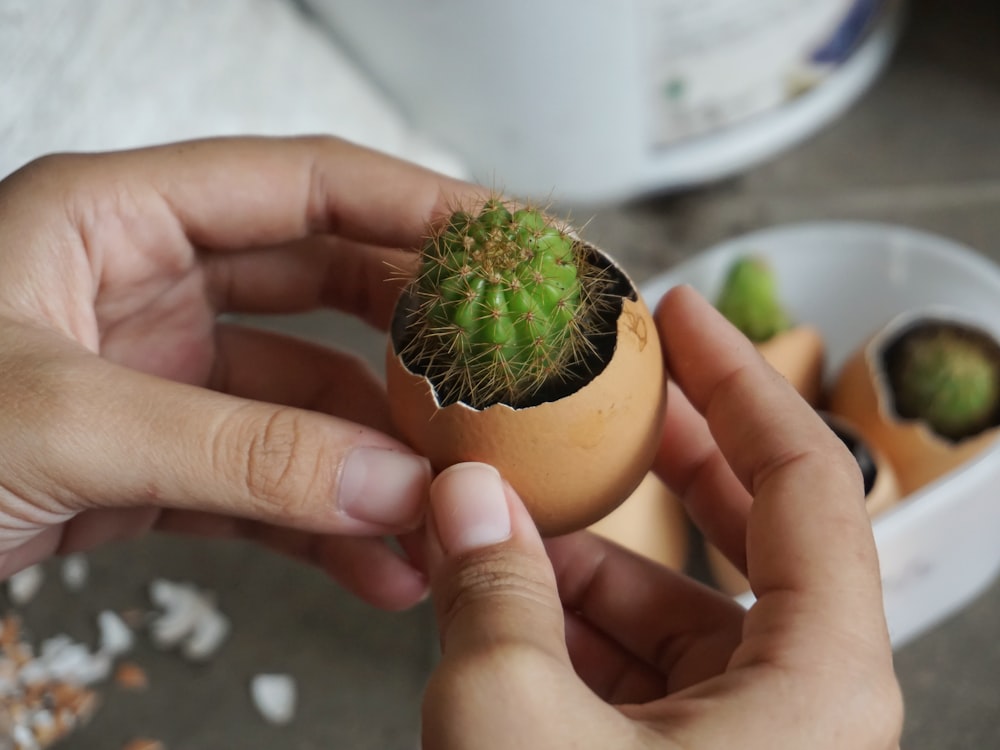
{"x": 713, "y": 63}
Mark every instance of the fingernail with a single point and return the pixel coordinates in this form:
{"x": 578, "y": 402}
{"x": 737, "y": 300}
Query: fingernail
{"x": 383, "y": 486}
{"x": 698, "y": 300}
{"x": 470, "y": 507}
{"x": 694, "y": 296}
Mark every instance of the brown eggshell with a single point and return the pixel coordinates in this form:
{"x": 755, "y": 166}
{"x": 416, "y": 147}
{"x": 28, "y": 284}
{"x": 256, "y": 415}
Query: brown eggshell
{"x": 884, "y": 494}
{"x": 651, "y": 522}
{"x": 572, "y": 460}
{"x": 798, "y": 354}
{"x": 918, "y": 455}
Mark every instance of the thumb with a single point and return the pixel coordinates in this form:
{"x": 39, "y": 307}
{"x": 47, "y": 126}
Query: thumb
{"x": 122, "y": 438}
{"x": 491, "y": 580}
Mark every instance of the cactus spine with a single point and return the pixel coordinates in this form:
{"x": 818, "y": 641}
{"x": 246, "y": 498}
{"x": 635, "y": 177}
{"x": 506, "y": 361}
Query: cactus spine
{"x": 505, "y": 304}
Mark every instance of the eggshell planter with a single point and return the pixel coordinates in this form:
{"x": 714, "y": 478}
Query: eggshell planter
{"x": 862, "y": 395}
{"x": 939, "y": 546}
{"x": 798, "y": 354}
{"x": 882, "y": 491}
{"x": 652, "y": 523}
{"x": 575, "y": 452}
{"x": 882, "y": 488}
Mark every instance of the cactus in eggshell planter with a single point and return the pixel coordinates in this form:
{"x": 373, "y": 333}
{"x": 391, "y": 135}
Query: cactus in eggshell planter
{"x": 749, "y": 300}
{"x": 945, "y": 377}
{"x": 505, "y": 305}
{"x": 519, "y": 344}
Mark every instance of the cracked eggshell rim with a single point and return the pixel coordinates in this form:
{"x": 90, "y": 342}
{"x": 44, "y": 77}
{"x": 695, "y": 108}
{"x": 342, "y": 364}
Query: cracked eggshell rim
{"x": 572, "y": 460}
{"x": 861, "y": 395}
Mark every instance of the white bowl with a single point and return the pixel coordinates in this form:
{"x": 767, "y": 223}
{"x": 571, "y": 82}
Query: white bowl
{"x": 940, "y": 547}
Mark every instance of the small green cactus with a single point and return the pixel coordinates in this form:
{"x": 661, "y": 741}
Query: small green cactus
{"x": 505, "y": 304}
{"x": 749, "y": 300}
{"x": 945, "y": 377}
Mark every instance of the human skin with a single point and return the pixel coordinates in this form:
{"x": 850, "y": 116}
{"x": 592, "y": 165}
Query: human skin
{"x": 577, "y": 643}
{"x": 128, "y": 405}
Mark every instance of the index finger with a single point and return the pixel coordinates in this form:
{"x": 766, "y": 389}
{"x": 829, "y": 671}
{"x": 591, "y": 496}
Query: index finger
{"x": 808, "y": 533}
{"x": 230, "y": 193}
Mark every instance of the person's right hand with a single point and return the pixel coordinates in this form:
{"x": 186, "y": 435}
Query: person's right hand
{"x": 608, "y": 650}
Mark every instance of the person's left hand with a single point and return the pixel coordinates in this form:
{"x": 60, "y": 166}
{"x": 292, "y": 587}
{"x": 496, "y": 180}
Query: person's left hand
{"x": 126, "y": 405}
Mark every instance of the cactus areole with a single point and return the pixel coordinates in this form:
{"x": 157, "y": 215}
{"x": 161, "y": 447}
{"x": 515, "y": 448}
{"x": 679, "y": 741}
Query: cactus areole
{"x": 508, "y": 307}
{"x": 522, "y": 346}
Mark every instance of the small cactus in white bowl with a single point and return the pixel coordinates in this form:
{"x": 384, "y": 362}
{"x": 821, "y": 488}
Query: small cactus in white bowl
{"x": 750, "y": 299}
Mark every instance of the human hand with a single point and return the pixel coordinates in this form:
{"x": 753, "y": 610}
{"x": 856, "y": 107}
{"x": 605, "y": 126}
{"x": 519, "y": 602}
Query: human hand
{"x": 126, "y": 405}
{"x": 601, "y": 649}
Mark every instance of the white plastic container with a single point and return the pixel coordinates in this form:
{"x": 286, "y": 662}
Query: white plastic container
{"x": 603, "y": 99}
{"x": 940, "y": 546}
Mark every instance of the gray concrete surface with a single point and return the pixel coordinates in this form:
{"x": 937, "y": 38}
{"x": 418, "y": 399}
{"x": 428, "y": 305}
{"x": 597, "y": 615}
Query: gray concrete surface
{"x": 921, "y": 149}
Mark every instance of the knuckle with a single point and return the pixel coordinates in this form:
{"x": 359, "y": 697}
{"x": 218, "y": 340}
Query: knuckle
{"x": 277, "y": 464}
{"x": 887, "y": 712}
{"x": 496, "y": 575}
{"x": 506, "y": 661}
{"x": 869, "y": 698}
{"x": 456, "y": 686}
{"x": 50, "y": 171}
{"x": 40, "y": 391}
{"x": 878, "y": 712}
{"x": 47, "y": 163}
{"x": 46, "y": 436}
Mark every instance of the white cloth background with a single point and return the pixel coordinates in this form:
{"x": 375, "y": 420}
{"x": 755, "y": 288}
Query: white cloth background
{"x": 108, "y": 74}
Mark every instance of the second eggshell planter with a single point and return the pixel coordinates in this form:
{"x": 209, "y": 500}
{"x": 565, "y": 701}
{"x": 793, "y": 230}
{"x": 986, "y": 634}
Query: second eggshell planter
{"x": 652, "y": 522}
{"x": 798, "y": 354}
{"x": 861, "y": 395}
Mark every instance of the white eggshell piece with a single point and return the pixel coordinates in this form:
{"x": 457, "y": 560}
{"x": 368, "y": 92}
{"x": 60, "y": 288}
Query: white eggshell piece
{"x": 274, "y": 696}
{"x": 182, "y": 607}
{"x": 189, "y": 620}
{"x": 24, "y": 585}
{"x": 75, "y": 571}
{"x": 208, "y": 635}
{"x": 62, "y": 659}
{"x": 116, "y": 638}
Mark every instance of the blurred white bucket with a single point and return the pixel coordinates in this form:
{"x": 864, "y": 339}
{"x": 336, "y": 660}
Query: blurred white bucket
{"x": 608, "y": 98}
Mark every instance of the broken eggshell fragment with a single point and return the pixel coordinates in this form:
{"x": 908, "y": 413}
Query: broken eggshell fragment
{"x": 863, "y": 395}
{"x": 881, "y": 487}
{"x": 574, "y": 453}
